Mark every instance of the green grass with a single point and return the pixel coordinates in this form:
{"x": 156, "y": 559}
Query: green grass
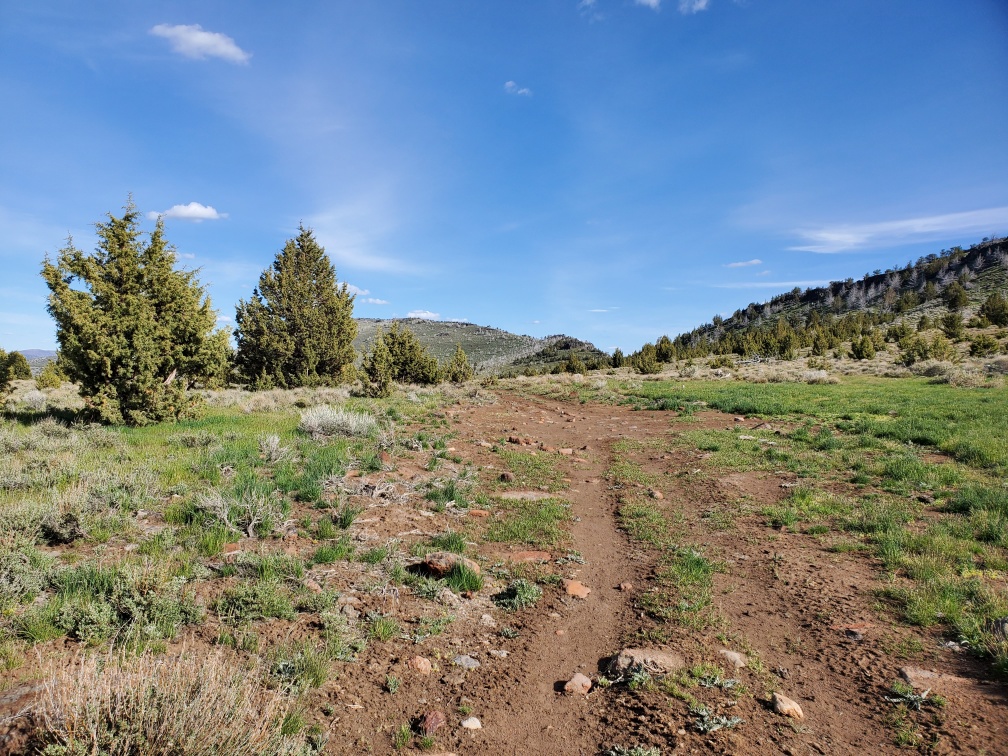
{"x": 535, "y": 523}
{"x": 538, "y": 471}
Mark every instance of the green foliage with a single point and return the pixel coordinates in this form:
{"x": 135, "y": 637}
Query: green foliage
{"x": 955, "y": 296}
{"x": 458, "y": 370}
{"x": 410, "y": 360}
{"x": 134, "y": 333}
{"x": 984, "y": 346}
{"x": 617, "y": 358}
{"x": 575, "y": 364}
{"x": 297, "y": 329}
{"x": 377, "y": 367}
{"x": 952, "y": 326}
{"x": 17, "y": 367}
{"x": 863, "y": 348}
{"x": 520, "y": 594}
{"x": 50, "y": 377}
{"x": 913, "y": 349}
{"x": 646, "y": 360}
{"x": 5, "y": 375}
{"x": 942, "y": 349}
{"x": 995, "y": 309}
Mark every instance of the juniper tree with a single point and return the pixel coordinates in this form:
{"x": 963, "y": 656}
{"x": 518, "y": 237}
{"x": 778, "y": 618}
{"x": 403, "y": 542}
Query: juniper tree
{"x": 18, "y": 367}
{"x": 411, "y": 362}
{"x": 297, "y": 329}
{"x": 377, "y": 368}
{"x": 133, "y": 332}
{"x": 458, "y": 370}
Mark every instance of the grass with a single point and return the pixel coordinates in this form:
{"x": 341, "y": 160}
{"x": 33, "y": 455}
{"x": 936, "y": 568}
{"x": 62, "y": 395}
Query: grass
{"x": 535, "y": 523}
{"x": 532, "y": 470}
{"x": 520, "y": 594}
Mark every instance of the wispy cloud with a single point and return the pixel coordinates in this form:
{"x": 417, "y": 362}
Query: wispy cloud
{"x": 689, "y": 7}
{"x": 743, "y": 264}
{"x": 513, "y": 89}
{"x": 357, "y": 290}
{"x": 423, "y": 314}
{"x": 854, "y": 236}
{"x": 194, "y": 212}
{"x": 769, "y": 284}
{"x": 193, "y": 41}
{"x": 652, "y": 4}
{"x": 225, "y": 319}
{"x": 376, "y": 301}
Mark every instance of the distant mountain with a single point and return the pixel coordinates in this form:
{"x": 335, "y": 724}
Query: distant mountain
{"x": 35, "y": 354}
{"x": 490, "y": 350}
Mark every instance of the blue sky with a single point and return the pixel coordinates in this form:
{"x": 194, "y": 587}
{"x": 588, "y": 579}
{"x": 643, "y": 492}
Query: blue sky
{"x": 614, "y": 170}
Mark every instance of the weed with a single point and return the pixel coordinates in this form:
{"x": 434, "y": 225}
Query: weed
{"x": 382, "y": 627}
{"x": 299, "y": 666}
{"x": 402, "y": 737}
{"x": 325, "y": 421}
{"x": 463, "y": 579}
{"x": 328, "y": 553}
{"x": 706, "y": 722}
{"x": 450, "y": 541}
{"x": 520, "y": 594}
{"x": 536, "y": 523}
{"x": 392, "y": 683}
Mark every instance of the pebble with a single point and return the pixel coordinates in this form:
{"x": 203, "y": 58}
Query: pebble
{"x": 479, "y": 513}
{"x": 312, "y": 586}
{"x": 420, "y": 664}
{"x": 566, "y": 452}
{"x": 471, "y": 724}
{"x": 734, "y": 658}
{"x": 440, "y": 563}
{"x": 507, "y": 477}
{"x": 487, "y": 620}
{"x": 500, "y": 653}
{"x": 626, "y": 586}
{"x": 432, "y": 721}
{"x": 654, "y": 493}
{"x": 576, "y": 588}
{"x": 648, "y": 658}
{"x": 465, "y": 661}
{"x": 449, "y": 599}
{"x": 786, "y": 707}
{"x": 578, "y": 684}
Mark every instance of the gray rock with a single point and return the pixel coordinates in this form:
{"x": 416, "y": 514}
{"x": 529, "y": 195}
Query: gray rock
{"x": 471, "y": 724}
{"x": 465, "y": 661}
{"x": 652, "y": 660}
{"x": 786, "y": 707}
{"x": 734, "y": 658}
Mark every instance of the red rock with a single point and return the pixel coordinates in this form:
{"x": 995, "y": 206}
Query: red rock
{"x": 626, "y": 587}
{"x": 312, "y": 586}
{"x": 514, "y": 440}
{"x": 507, "y": 477}
{"x": 654, "y": 493}
{"x": 231, "y": 548}
{"x": 352, "y": 474}
{"x": 442, "y": 562}
{"x": 432, "y": 721}
{"x": 478, "y": 513}
{"x": 385, "y": 458}
{"x": 653, "y": 660}
{"x": 530, "y": 556}
{"x": 559, "y": 632}
{"x": 566, "y": 452}
{"x": 420, "y": 664}
{"x": 786, "y": 707}
{"x": 576, "y": 588}
{"x": 578, "y": 684}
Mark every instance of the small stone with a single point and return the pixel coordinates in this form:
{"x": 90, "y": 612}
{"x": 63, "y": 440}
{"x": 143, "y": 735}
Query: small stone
{"x": 420, "y": 664}
{"x": 514, "y": 440}
{"x": 352, "y": 474}
{"x": 349, "y": 612}
{"x": 385, "y": 458}
{"x": 479, "y": 513}
{"x": 926, "y": 678}
{"x": 559, "y": 632}
{"x": 734, "y": 658}
{"x": 441, "y": 563}
{"x": 498, "y": 653}
{"x": 578, "y": 684}
{"x": 739, "y": 419}
{"x": 312, "y": 586}
{"x": 448, "y": 598}
{"x": 626, "y": 587}
{"x": 654, "y": 493}
{"x": 650, "y": 659}
{"x": 231, "y": 548}
{"x": 432, "y": 721}
{"x": 465, "y": 661}
{"x": 487, "y": 620}
{"x": 566, "y": 452}
{"x": 786, "y": 707}
{"x": 999, "y": 627}
{"x": 507, "y": 477}
{"x": 576, "y": 589}
{"x": 471, "y": 724}
{"x": 486, "y": 444}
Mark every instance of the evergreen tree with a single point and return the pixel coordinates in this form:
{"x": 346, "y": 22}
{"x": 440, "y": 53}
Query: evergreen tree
{"x": 617, "y": 358}
{"x": 50, "y": 377}
{"x": 377, "y": 368}
{"x": 134, "y": 333}
{"x": 297, "y": 329}
{"x": 955, "y": 296}
{"x": 18, "y": 367}
{"x": 458, "y": 370}
{"x": 995, "y": 309}
{"x": 5, "y": 373}
{"x": 411, "y": 362}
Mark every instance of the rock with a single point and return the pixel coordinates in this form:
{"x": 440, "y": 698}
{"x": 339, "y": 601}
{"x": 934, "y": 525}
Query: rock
{"x": 311, "y": 585}
{"x": 440, "y": 563}
{"x": 487, "y": 620}
{"x": 349, "y": 612}
{"x": 559, "y": 632}
{"x": 628, "y": 586}
{"x": 479, "y": 513}
{"x": 385, "y": 458}
{"x": 420, "y": 664}
{"x": 576, "y": 589}
{"x": 498, "y": 653}
{"x": 566, "y": 452}
{"x": 1000, "y": 627}
{"x": 786, "y": 707}
{"x": 530, "y": 556}
{"x": 653, "y": 660}
{"x": 465, "y": 661}
{"x": 578, "y": 684}
{"x": 486, "y": 444}
{"x": 514, "y": 440}
{"x": 654, "y": 493}
{"x": 925, "y": 678}
{"x": 448, "y": 598}
{"x": 471, "y": 724}
{"x": 432, "y": 721}
{"x": 734, "y": 658}
{"x": 739, "y": 419}
{"x": 507, "y": 477}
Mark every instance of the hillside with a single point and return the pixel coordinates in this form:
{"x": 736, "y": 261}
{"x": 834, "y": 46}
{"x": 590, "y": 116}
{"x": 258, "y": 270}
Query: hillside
{"x": 490, "y": 350}
{"x": 955, "y": 281}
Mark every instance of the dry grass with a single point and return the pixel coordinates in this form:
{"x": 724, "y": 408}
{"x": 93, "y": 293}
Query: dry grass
{"x": 324, "y": 420}
{"x": 184, "y": 706}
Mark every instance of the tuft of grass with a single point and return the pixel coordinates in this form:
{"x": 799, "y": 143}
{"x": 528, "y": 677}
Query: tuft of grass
{"x": 536, "y": 523}
{"x": 463, "y": 579}
{"x": 326, "y": 421}
{"x": 328, "y": 553}
{"x": 520, "y": 594}
{"x": 381, "y": 627}
{"x": 450, "y": 541}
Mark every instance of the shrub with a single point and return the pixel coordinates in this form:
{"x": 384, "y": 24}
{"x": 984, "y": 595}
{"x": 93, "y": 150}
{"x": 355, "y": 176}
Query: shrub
{"x": 952, "y": 326}
{"x": 324, "y": 420}
{"x": 955, "y": 296}
{"x": 18, "y": 367}
{"x": 297, "y": 329}
{"x": 646, "y": 360}
{"x": 984, "y": 346}
{"x": 133, "y": 332}
{"x": 51, "y": 376}
{"x": 995, "y": 309}
{"x": 942, "y": 349}
{"x": 575, "y": 364}
{"x": 520, "y": 594}
{"x": 410, "y": 360}
{"x": 148, "y": 705}
{"x": 617, "y": 358}
{"x": 458, "y": 370}
{"x": 377, "y": 368}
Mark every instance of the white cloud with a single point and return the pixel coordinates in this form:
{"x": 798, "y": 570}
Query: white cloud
{"x": 186, "y": 255}
{"x": 652, "y": 4}
{"x": 687, "y": 7}
{"x": 598, "y": 309}
{"x": 192, "y": 41}
{"x": 225, "y": 319}
{"x": 357, "y": 291}
{"x": 536, "y": 322}
{"x": 423, "y": 314}
{"x": 744, "y": 264}
{"x": 374, "y": 301}
{"x": 513, "y": 89}
{"x": 194, "y": 211}
{"x": 847, "y": 237}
